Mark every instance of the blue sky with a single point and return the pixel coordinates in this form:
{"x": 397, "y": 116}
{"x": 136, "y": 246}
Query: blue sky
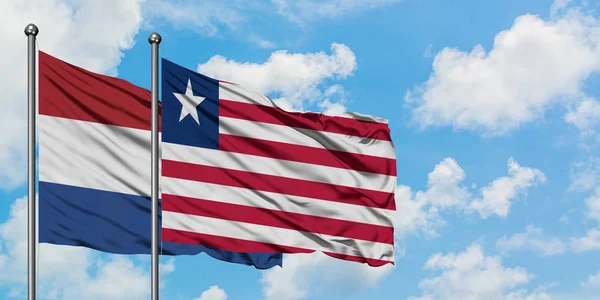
{"x": 494, "y": 113}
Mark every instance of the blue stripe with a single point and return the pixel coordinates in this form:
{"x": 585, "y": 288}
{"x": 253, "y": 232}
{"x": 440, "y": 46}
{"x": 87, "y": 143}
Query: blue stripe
{"x": 116, "y": 223}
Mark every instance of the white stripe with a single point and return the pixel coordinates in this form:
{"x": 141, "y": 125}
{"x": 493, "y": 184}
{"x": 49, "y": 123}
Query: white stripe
{"x": 306, "y": 137}
{"x": 276, "y": 201}
{"x": 92, "y": 155}
{"x": 278, "y": 236}
{"x": 115, "y": 158}
{"x": 278, "y": 167}
{"x": 239, "y": 93}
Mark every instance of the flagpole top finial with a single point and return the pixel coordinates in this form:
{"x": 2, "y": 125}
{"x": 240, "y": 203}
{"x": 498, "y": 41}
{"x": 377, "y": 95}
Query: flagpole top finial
{"x": 154, "y": 38}
{"x": 31, "y": 29}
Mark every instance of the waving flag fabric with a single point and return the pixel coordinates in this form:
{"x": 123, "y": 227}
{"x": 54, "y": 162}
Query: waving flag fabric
{"x": 241, "y": 174}
{"x": 94, "y": 169}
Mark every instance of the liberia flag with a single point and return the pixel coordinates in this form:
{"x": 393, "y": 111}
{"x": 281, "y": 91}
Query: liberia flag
{"x": 241, "y": 174}
{"x": 94, "y": 169}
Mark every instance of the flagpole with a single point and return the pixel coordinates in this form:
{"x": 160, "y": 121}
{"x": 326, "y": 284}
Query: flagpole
{"x": 31, "y": 32}
{"x": 154, "y": 39}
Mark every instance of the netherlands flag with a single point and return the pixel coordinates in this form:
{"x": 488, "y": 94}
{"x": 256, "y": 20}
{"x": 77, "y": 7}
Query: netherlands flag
{"x": 241, "y": 174}
{"x": 94, "y": 166}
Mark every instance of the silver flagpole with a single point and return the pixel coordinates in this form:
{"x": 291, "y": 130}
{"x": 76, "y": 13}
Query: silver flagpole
{"x": 154, "y": 39}
{"x": 31, "y": 32}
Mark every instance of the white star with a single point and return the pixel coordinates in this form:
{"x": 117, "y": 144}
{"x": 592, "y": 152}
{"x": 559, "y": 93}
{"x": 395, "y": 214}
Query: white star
{"x": 189, "y": 103}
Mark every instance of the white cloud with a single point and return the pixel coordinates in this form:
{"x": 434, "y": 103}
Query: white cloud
{"x": 559, "y": 6}
{"x": 74, "y": 31}
{"x": 532, "y": 239}
{"x": 533, "y": 66}
{"x": 472, "y": 275}
{"x": 586, "y": 116}
{"x": 302, "y": 86}
{"x": 309, "y": 10}
{"x": 305, "y": 274}
{"x": 585, "y": 175}
{"x": 589, "y": 242}
{"x": 168, "y": 266}
{"x": 524, "y": 295}
{"x": 334, "y": 100}
{"x": 446, "y": 190}
{"x": 67, "y": 272}
{"x": 213, "y": 293}
{"x": 593, "y": 205}
{"x": 443, "y": 189}
{"x": 203, "y": 17}
{"x": 262, "y": 43}
{"x": 211, "y": 18}
{"x": 418, "y": 215}
{"x": 245, "y": 18}
{"x": 332, "y": 108}
{"x": 497, "y": 195}
{"x": 588, "y": 290}
{"x": 427, "y": 52}
{"x": 592, "y": 283}
{"x": 420, "y": 211}
{"x": 118, "y": 278}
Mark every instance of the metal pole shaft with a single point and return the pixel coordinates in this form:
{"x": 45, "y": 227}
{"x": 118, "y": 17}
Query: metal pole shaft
{"x": 154, "y": 41}
{"x": 31, "y": 32}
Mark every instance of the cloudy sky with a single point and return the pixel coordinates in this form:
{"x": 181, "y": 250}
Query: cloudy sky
{"x": 493, "y": 108}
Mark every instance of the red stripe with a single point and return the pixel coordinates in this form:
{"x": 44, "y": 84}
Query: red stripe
{"x": 370, "y": 261}
{"x": 311, "y": 155}
{"x": 276, "y": 184}
{"x": 313, "y": 121}
{"x": 68, "y": 91}
{"x": 276, "y": 218}
{"x": 245, "y": 246}
{"x": 225, "y": 243}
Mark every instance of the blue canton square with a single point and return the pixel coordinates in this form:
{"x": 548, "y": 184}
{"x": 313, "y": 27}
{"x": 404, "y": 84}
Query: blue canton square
{"x": 190, "y": 107}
